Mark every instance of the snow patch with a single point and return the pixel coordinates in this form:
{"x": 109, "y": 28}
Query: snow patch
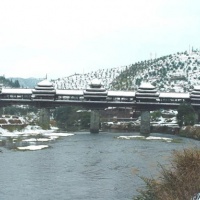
{"x": 131, "y": 137}
{"x": 37, "y": 140}
{"x": 159, "y": 138}
{"x": 58, "y": 134}
{"x": 145, "y": 138}
{"x": 34, "y": 132}
{"x": 33, "y": 147}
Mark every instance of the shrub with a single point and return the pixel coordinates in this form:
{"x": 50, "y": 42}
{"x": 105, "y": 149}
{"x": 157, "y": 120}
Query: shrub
{"x": 180, "y": 182}
{"x": 15, "y": 121}
{"x": 12, "y": 128}
{"x": 3, "y": 121}
{"x": 190, "y": 132}
{"x": 156, "y": 114}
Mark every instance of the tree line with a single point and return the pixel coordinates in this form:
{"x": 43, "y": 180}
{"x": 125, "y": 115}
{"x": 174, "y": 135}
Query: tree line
{"x": 9, "y": 83}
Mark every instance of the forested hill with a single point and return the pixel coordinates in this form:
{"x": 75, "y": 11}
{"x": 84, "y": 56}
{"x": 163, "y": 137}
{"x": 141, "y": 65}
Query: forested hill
{"x": 81, "y": 81}
{"x": 27, "y": 82}
{"x": 176, "y": 72}
{"x": 9, "y": 83}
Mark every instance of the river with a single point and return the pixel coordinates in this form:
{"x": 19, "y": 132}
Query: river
{"x": 84, "y": 166}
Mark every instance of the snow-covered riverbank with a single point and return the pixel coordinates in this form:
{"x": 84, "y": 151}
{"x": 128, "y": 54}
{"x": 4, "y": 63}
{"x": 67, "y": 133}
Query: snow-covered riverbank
{"x": 30, "y": 138}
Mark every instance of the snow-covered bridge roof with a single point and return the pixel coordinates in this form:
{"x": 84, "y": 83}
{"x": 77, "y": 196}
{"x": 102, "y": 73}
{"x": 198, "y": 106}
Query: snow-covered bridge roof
{"x": 121, "y": 94}
{"x": 174, "y": 95}
{"x": 16, "y": 91}
{"x": 69, "y": 92}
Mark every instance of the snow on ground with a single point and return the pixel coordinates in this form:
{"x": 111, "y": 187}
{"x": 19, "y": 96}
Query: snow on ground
{"x": 145, "y": 138}
{"x": 37, "y": 140}
{"x": 131, "y": 137}
{"x": 159, "y": 138}
{"x": 58, "y": 134}
{"x": 33, "y": 147}
{"x": 32, "y": 137}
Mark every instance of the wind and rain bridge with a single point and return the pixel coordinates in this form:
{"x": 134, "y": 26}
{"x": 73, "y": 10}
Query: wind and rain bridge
{"x": 147, "y": 98}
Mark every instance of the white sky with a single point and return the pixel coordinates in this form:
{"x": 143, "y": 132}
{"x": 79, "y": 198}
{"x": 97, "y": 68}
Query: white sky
{"x": 63, "y": 37}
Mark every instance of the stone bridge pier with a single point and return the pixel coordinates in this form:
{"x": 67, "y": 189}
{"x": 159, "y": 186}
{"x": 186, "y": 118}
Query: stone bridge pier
{"x": 197, "y": 116}
{"x": 146, "y": 93}
{"x": 44, "y": 118}
{"x": 94, "y": 121}
{"x": 145, "y": 123}
{"x": 144, "y": 127}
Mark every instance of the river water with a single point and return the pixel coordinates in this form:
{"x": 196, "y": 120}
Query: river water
{"x": 84, "y": 166}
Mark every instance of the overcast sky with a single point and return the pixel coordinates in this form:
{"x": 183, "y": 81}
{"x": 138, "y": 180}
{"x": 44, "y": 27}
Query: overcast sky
{"x": 63, "y": 37}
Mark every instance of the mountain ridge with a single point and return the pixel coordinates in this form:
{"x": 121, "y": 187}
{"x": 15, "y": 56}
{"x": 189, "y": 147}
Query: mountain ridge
{"x": 177, "y": 72}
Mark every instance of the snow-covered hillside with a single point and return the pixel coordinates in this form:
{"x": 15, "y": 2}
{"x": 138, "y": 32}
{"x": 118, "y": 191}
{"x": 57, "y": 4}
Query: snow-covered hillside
{"x": 177, "y": 72}
{"x": 81, "y": 81}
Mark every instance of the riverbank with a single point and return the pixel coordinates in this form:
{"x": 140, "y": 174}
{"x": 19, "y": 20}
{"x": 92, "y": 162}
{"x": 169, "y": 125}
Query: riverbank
{"x": 179, "y": 182}
{"x": 192, "y": 132}
{"x": 135, "y": 127}
{"x": 29, "y": 138}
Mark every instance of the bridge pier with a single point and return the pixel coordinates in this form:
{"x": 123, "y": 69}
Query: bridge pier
{"x": 44, "y": 118}
{"x": 145, "y": 123}
{"x": 94, "y": 121}
{"x": 197, "y": 117}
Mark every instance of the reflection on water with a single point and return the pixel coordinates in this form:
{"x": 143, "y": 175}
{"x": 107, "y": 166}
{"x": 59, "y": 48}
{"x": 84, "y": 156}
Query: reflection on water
{"x": 81, "y": 166}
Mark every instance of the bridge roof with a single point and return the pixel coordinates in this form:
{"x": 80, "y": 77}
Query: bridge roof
{"x": 174, "y": 95}
{"x": 69, "y": 92}
{"x": 16, "y": 91}
{"x": 121, "y": 93}
{"x": 96, "y": 82}
{"x": 45, "y": 83}
{"x": 146, "y": 85}
{"x": 196, "y": 87}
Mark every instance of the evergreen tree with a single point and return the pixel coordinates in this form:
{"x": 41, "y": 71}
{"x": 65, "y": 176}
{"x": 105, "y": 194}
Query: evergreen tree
{"x": 16, "y": 84}
{"x": 186, "y": 115}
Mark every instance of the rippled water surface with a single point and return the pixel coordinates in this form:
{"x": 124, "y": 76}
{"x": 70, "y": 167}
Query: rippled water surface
{"x": 84, "y": 166}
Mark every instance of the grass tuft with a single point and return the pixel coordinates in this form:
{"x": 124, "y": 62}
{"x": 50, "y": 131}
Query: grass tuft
{"x": 180, "y": 182}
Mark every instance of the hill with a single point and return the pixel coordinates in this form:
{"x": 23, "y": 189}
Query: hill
{"x": 9, "y": 83}
{"x": 26, "y": 82}
{"x": 81, "y": 81}
{"x": 177, "y": 72}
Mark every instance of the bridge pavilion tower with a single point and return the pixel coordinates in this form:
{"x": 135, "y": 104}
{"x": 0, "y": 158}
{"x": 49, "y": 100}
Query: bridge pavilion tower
{"x": 41, "y": 94}
{"x": 146, "y": 93}
{"x": 95, "y": 92}
{"x": 195, "y": 99}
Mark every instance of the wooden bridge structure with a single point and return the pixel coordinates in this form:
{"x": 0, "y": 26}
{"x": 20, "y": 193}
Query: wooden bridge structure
{"x": 146, "y": 98}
